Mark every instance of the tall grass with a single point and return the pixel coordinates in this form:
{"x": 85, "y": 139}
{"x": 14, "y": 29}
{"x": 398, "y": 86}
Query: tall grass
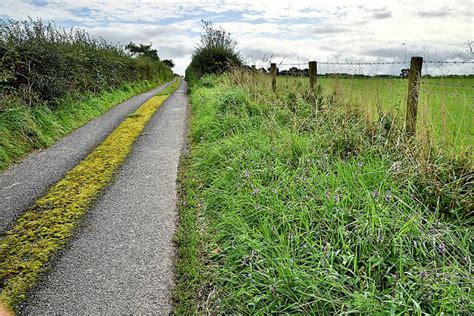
{"x": 445, "y": 106}
{"x": 298, "y": 204}
{"x": 24, "y": 129}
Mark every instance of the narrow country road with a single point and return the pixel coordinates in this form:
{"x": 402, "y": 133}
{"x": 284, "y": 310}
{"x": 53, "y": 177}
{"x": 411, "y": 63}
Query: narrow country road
{"x": 122, "y": 259}
{"x": 23, "y": 183}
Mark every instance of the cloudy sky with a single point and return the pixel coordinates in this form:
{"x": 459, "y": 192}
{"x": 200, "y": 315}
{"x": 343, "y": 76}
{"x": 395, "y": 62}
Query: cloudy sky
{"x": 288, "y": 31}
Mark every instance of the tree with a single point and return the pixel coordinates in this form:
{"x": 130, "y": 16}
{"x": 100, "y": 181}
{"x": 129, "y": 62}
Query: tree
{"x": 142, "y": 50}
{"x": 168, "y": 62}
{"x": 216, "y": 53}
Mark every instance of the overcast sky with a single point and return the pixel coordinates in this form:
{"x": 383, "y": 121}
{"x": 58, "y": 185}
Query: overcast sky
{"x": 293, "y": 31}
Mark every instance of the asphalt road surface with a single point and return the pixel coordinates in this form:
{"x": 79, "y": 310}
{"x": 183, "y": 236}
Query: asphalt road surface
{"x": 22, "y": 184}
{"x": 122, "y": 259}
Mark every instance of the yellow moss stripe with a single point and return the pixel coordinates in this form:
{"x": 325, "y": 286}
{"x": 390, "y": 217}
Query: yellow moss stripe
{"x": 46, "y": 226}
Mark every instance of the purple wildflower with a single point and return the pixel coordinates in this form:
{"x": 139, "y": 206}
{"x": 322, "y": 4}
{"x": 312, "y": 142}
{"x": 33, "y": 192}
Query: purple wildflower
{"x": 375, "y": 194}
{"x": 441, "y": 248}
{"x": 325, "y": 245}
{"x": 388, "y": 196}
{"x": 246, "y": 174}
{"x": 379, "y": 237}
{"x": 255, "y": 191}
{"x": 273, "y": 289}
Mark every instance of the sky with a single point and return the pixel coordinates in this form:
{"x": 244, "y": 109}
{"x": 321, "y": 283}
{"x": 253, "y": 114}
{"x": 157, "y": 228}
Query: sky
{"x": 281, "y": 31}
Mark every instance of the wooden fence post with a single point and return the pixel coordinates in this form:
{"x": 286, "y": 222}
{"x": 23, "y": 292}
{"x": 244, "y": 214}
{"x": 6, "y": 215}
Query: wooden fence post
{"x": 273, "y": 72}
{"x": 312, "y": 75}
{"x": 413, "y": 93}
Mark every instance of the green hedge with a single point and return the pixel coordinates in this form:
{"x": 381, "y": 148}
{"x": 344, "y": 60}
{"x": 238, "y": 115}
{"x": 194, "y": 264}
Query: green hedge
{"x": 41, "y": 62}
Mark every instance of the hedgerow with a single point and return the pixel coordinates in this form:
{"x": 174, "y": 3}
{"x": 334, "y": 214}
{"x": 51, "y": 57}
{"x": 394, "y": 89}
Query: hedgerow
{"x": 42, "y": 63}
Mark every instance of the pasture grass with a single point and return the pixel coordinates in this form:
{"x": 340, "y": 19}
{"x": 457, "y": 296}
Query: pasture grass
{"x": 445, "y": 112}
{"x": 46, "y": 226}
{"x": 25, "y": 129}
{"x": 292, "y": 203}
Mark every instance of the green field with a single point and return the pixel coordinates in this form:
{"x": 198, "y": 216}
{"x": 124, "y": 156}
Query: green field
{"x": 446, "y": 108}
{"x": 291, "y": 204}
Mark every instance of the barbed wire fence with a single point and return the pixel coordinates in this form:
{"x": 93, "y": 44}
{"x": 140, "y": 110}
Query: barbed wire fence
{"x": 412, "y": 70}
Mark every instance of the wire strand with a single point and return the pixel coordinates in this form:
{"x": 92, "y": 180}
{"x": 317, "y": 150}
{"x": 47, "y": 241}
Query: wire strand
{"x": 380, "y": 63}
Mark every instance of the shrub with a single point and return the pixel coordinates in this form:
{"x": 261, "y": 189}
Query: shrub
{"x": 216, "y": 54}
{"x": 41, "y": 62}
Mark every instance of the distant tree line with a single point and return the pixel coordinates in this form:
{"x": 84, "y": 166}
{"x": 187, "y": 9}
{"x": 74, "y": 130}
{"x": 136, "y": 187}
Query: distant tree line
{"x": 41, "y": 62}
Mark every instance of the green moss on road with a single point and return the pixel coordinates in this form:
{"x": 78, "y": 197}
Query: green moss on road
{"x": 46, "y": 226}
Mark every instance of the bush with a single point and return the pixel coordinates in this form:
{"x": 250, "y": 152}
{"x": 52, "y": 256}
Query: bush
{"x": 216, "y": 54}
{"x": 43, "y": 63}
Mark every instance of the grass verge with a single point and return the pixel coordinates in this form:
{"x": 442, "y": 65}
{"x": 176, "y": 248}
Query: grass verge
{"x": 296, "y": 204}
{"x": 24, "y": 129}
{"x": 46, "y": 226}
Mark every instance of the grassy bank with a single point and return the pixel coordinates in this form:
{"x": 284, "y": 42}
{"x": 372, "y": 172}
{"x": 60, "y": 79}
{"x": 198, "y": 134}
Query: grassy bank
{"x": 24, "y": 129}
{"x": 46, "y": 226}
{"x": 297, "y": 204}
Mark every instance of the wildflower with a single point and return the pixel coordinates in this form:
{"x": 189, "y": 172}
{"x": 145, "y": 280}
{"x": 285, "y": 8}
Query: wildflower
{"x": 360, "y": 164}
{"x": 388, "y": 196}
{"x": 375, "y": 194}
{"x": 255, "y": 191}
{"x": 337, "y": 198}
{"x": 254, "y": 253}
{"x": 273, "y": 228}
{"x": 325, "y": 245}
{"x": 246, "y": 174}
{"x": 379, "y": 237}
{"x": 441, "y": 248}
{"x": 273, "y": 289}
{"x": 274, "y": 191}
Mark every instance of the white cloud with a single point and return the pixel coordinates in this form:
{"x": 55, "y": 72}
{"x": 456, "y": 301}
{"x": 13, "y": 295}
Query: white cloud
{"x": 291, "y": 30}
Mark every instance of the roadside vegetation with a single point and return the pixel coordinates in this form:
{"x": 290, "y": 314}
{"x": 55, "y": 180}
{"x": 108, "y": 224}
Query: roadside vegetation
{"x": 48, "y": 224}
{"x": 295, "y": 202}
{"x": 53, "y": 80}
{"x": 445, "y": 107}
{"x": 216, "y": 54}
